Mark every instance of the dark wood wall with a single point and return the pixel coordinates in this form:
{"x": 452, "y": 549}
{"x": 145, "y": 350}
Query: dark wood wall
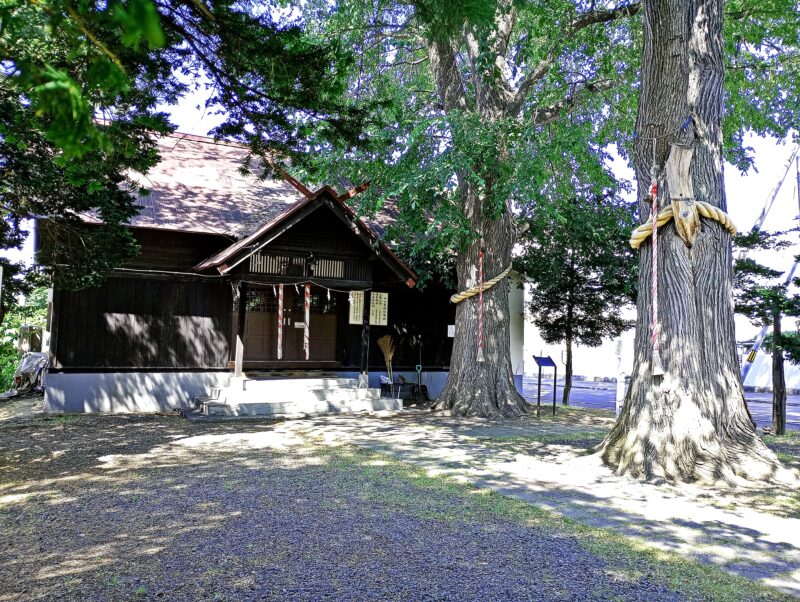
{"x": 144, "y": 323}
{"x": 178, "y": 251}
{"x": 415, "y": 315}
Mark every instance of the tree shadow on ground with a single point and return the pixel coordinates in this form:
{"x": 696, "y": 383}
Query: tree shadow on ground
{"x": 122, "y": 507}
{"x": 131, "y": 505}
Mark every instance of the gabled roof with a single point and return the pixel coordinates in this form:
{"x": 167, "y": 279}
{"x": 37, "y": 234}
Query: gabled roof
{"x": 197, "y": 186}
{"x": 273, "y": 226}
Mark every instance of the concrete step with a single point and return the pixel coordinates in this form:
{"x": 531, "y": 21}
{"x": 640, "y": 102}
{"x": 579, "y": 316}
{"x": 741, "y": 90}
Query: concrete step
{"x": 299, "y": 395}
{"x": 298, "y": 409}
{"x": 281, "y": 386}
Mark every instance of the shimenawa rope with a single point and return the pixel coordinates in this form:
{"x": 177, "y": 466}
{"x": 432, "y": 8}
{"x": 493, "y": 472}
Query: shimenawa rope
{"x": 640, "y": 234}
{"x": 477, "y": 289}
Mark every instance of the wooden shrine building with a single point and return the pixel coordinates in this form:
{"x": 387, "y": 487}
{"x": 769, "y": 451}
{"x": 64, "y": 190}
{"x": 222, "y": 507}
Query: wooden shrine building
{"x": 239, "y": 275}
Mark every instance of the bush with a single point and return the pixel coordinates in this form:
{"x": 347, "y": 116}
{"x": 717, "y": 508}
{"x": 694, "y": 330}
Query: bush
{"x": 33, "y": 311}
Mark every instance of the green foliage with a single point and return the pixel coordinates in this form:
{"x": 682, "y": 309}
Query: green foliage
{"x": 33, "y": 312}
{"x": 762, "y": 73}
{"x": 582, "y": 270}
{"x": 64, "y": 64}
{"x": 421, "y": 156}
{"x": 790, "y": 344}
{"x": 760, "y": 292}
{"x": 344, "y": 90}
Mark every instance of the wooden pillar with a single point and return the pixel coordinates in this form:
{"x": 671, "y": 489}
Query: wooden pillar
{"x": 363, "y": 380}
{"x": 242, "y": 314}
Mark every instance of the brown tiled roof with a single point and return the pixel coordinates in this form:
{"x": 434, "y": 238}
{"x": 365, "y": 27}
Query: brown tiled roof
{"x": 197, "y": 187}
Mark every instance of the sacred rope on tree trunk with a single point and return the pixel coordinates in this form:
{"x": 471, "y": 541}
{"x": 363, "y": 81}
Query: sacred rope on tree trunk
{"x": 474, "y": 100}
{"x": 687, "y": 419}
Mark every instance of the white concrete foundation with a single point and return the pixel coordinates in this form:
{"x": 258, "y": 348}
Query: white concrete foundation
{"x": 127, "y": 392}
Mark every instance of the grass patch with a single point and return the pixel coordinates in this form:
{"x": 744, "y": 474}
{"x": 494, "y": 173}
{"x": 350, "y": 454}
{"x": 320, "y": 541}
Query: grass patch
{"x": 444, "y": 499}
{"x": 536, "y": 445}
{"x": 787, "y": 447}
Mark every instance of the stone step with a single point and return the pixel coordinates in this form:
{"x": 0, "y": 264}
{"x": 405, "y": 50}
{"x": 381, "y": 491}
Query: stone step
{"x": 288, "y": 385}
{"x": 298, "y": 409}
{"x": 298, "y": 395}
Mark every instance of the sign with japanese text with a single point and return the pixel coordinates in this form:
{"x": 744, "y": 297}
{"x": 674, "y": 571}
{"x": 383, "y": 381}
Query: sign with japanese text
{"x": 356, "y": 307}
{"x": 379, "y": 309}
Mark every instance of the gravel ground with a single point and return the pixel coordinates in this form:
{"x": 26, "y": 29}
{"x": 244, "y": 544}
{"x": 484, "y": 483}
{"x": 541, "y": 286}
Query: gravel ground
{"x": 116, "y": 508}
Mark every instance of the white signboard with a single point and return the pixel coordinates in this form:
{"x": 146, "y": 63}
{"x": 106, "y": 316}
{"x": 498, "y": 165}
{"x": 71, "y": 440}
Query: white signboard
{"x": 451, "y": 330}
{"x": 379, "y": 309}
{"x": 357, "y": 307}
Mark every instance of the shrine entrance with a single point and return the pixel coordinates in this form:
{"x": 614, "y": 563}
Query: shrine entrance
{"x": 261, "y": 326}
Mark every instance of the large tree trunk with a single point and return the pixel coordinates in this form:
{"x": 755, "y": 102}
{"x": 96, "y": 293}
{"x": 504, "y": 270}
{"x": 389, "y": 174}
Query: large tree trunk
{"x": 778, "y": 379}
{"x": 483, "y": 388}
{"x": 478, "y": 388}
{"x": 691, "y": 424}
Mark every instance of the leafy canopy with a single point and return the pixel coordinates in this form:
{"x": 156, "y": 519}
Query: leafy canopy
{"x": 347, "y": 90}
{"x": 544, "y": 62}
{"x": 581, "y": 268}
{"x": 522, "y": 68}
{"x": 80, "y": 84}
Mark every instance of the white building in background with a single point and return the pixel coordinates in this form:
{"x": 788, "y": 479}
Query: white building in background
{"x": 588, "y": 363}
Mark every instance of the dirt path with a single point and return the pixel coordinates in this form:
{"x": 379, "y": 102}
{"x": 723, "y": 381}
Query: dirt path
{"x": 711, "y": 526}
{"x": 102, "y": 508}
{"x": 120, "y": 507}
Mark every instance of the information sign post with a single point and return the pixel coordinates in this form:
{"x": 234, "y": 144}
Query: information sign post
{"x": 545, "y": 362}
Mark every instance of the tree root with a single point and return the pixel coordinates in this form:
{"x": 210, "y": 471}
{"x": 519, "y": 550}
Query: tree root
{"x": 734, "y": 456}
{"x": 473, "y": 402}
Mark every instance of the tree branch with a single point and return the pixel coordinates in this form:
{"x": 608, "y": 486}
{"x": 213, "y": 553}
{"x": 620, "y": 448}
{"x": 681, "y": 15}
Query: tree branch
{"x": 447, "y": 76}
{"x": 603, "y": 16}
{"x": 549, "y": 114}
{"x": 583, "y": 21}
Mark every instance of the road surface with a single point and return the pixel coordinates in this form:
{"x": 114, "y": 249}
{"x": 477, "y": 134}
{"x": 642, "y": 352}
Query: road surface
{"x": 589, "y": 394}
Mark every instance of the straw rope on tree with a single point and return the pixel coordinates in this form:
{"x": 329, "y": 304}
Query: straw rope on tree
{"x": 477, "y": 289}
{"x": 707, "y": 210}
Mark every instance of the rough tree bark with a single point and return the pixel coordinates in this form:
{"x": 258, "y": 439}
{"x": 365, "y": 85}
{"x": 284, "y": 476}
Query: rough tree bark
{"x": 484, "y": 388}
{"x": 691, "y": 424}
{"x": 778, "y": 379}
{"x": 478, "y": 388}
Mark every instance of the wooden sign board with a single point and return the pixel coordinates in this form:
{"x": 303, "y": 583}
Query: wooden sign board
{"x": 379, "y": 309}
{"x": 357, "y": 307}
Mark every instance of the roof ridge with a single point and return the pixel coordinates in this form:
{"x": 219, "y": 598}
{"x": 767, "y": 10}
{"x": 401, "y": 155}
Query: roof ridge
{"x": 205, "y": 139}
